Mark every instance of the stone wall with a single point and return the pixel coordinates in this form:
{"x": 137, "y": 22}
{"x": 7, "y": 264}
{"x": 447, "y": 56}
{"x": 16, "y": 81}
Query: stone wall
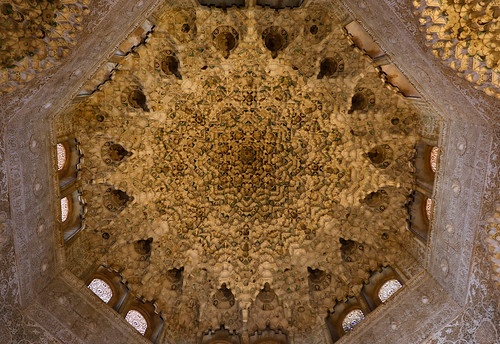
{"x": 478, "y": 321}
{"x": 15, "y": 325}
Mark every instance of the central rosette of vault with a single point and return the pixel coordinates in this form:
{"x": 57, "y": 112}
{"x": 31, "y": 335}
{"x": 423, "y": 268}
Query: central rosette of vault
{"x": 224, "y": 164}
{"x": 247, "y": 155}
{"x": 241, "y": 165}
{"x": 252, "y": 164}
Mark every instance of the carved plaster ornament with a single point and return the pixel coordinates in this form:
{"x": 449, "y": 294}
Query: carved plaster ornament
{"x": 225, "y": 39}
{"x": 168, "y": 63}
{"x": 182, "y": 24}
{"x": 143, "y": 247}
{"x": 256, "y": 174}
{"x": 362, "y": 100}
{"x": 117, "y": 152}
{"x": 330, "y": 67}
{"x": 137, "y": 99}
{"x": 275, "y": 40}
{"x": 377, "y": 201}
{"x": 114, "y": 153}
{"x": 133, "y": 96}
{"x": 175, "y": 277}
{"x": 266, "y": 295}
{"x": 380, "y": 155}
{"x": 223, "y": 298}
{"x": 319, "y": 279}
{"x": 115, "y": 200}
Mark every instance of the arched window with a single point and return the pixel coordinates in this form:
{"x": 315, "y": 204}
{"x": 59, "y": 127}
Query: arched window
{"x": 64, "y": 209}
{"x": 68, "y": 157}
{"x": 388, "y": 289}
{"x": 62, "y": 157}
{"x": 426, "y": 163}
{"x": 345, "y": 316}
{"x": 381, "y": 285}
{"x": 352, "y": 318}
{"x": 433, "y": 159}
{"x": 137, "y": 320}
{"x": 71, "y": 205}
{"x": 428, "y": 209}
{"x": 420, "y": 207}
{"x": 108, "y": 286}
{"x": 143, "y": 317}
{"x": 101, "y": 289}
{"x": 71, "y": 212}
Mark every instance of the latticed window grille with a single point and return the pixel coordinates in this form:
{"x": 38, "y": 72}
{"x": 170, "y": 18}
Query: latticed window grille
{"x": 61, "y": 156}
{"x": 64, "y": 209}
{"x": 101, "y": 289}
{"x": 388, "y": 289}
{"x": 433, "y": 159}
{"x": 428, "y": 208}
{"x": 137, "y": 320}
{"x": 352, "y": 318}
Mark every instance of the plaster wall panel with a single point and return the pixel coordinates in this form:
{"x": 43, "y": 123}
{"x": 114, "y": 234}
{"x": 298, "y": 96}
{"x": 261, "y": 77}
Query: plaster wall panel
{"x": 15, "y": 326}
{"x": 31, "y": 186}
{"x": 492, "y": 196}
{"x": 458, "y": 200}
{"x": 421, "y": 308}
{"x": 80, "y": 316}
{"x": 479, "y": 321}
{"x": 431, "y": 122}
{"x": 4, "y": 195}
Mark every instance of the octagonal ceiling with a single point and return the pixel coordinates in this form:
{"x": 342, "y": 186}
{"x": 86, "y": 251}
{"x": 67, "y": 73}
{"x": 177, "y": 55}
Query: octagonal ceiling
{"x": 244, "y": 147}
{"x": 72, "y": 315}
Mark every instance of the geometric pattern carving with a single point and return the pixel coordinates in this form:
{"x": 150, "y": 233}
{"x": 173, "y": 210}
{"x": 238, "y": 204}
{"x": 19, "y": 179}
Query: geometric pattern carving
{"x": 250, "y": 166}
{"x": 388, "y": 289}
{"x": 101, "y": 289}
{"x": 64, "y": 209}
{"x": 137, "y": 320}
{"x": 464, "y": 35}
{"x": 352, "y": 318}
{"x": 51, "y": 26}
{"x": 61, "y": 156}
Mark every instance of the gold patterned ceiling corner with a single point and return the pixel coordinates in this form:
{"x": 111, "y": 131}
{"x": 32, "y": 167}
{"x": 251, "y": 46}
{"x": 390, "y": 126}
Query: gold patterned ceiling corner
{"x": 466, "y": 36}
{"x": 35, "y": 35}
{"x": 245, "y": 147}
